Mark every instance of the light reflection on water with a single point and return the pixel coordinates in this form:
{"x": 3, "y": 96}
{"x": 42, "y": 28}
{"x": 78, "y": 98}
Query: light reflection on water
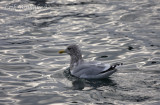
{"x": 32, "y": 72}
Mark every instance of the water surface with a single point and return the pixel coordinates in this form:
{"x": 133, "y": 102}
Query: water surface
{"x": 33, "y": 31}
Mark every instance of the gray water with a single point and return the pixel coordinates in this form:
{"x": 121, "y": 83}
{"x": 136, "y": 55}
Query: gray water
{"x": 33, "y": 31}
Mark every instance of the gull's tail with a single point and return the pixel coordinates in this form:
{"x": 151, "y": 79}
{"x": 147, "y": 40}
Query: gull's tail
{"x": 113, "y": 66}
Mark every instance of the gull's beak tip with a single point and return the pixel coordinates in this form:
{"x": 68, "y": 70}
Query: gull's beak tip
{"x": 61, "y": 51}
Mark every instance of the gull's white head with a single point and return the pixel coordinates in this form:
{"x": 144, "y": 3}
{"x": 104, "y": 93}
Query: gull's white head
{"x": 72, "y": 50}
{"x": 75, "y": 54}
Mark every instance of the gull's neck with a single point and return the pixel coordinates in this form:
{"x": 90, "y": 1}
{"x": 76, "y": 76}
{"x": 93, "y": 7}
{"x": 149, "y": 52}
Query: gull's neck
{"x": 75, "y": 60}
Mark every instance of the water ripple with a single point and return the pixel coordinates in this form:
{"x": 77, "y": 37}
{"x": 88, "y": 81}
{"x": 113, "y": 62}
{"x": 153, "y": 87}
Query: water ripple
{"x": 33, "y": 31}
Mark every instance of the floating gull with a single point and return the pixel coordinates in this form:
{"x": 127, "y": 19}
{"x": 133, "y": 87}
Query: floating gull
{"x": 87, "y": 70}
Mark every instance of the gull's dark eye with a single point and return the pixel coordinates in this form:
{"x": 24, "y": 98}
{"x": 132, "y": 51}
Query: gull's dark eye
{"x": 69, "y": 48}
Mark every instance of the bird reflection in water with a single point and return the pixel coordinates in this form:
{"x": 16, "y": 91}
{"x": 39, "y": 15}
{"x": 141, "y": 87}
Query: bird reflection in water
{"x": 78, "y": 85}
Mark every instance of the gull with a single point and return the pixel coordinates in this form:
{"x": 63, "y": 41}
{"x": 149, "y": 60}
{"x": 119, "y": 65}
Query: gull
{"x": 87, "y": 70}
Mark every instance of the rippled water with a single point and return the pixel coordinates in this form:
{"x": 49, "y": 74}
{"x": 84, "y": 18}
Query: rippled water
{"x": 33, "y": 31}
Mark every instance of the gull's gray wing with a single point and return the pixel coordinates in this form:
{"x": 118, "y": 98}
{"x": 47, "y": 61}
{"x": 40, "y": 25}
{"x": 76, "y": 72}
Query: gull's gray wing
{"x": 92, "y": 71}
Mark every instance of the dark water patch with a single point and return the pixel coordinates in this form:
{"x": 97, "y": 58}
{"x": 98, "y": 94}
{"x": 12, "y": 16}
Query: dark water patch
{"x": 44, "y": 24}
{"x": 130, "y": 48}
{"x": 58, "y": 75}
{"x": 74, "y": 102}
{"x": 40, "y": 99}
{"x": 157, "y": 71}
{"x": 3, "y": 94}
{"x": 3, "y": 74}
{"x": 110, "y": 55}
{"x": 30, "y": 56}
{"x": 148, "y": 83}
{"x": 57, "y": 19}
{"x": 37, "y": 71}
{"x": 39, "y": 2}
{"x": 16, "y": 67}
{"x": 129, "y": 17}
{"x": 44, "y": 3}
{"x": 31, "y": 80}
{"x": 29, "y": 76}
{"x": 157, "y": 52}
{"x": 14, "y": 83}
{"x": 27, "y": 42}
{"x": 148, "y": 63}
{"x": 28, "y": 90}
{"x": 8, "y": 88}
{"x": 136, "y": 59}
{"x": 37, "y": 33}
{"x": 101, "y": 20}
{"x": 152, "y": 45}
{"x": 153, "y": 62}
{"x": 151, "y": 4}
{"x": 4, "y": 101}
{"x": 78, "y": 85}
{"x": 125, "y": 88}
{"x": 134, "y": 98}
{"x": 48, "y": 52}
{"x": 104, "y": 56}
{"x": 125, "y": 97}
{"x": 15, "y": 47}
{"x": 102, "y": 82}
{"x": 46, "y": 17}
